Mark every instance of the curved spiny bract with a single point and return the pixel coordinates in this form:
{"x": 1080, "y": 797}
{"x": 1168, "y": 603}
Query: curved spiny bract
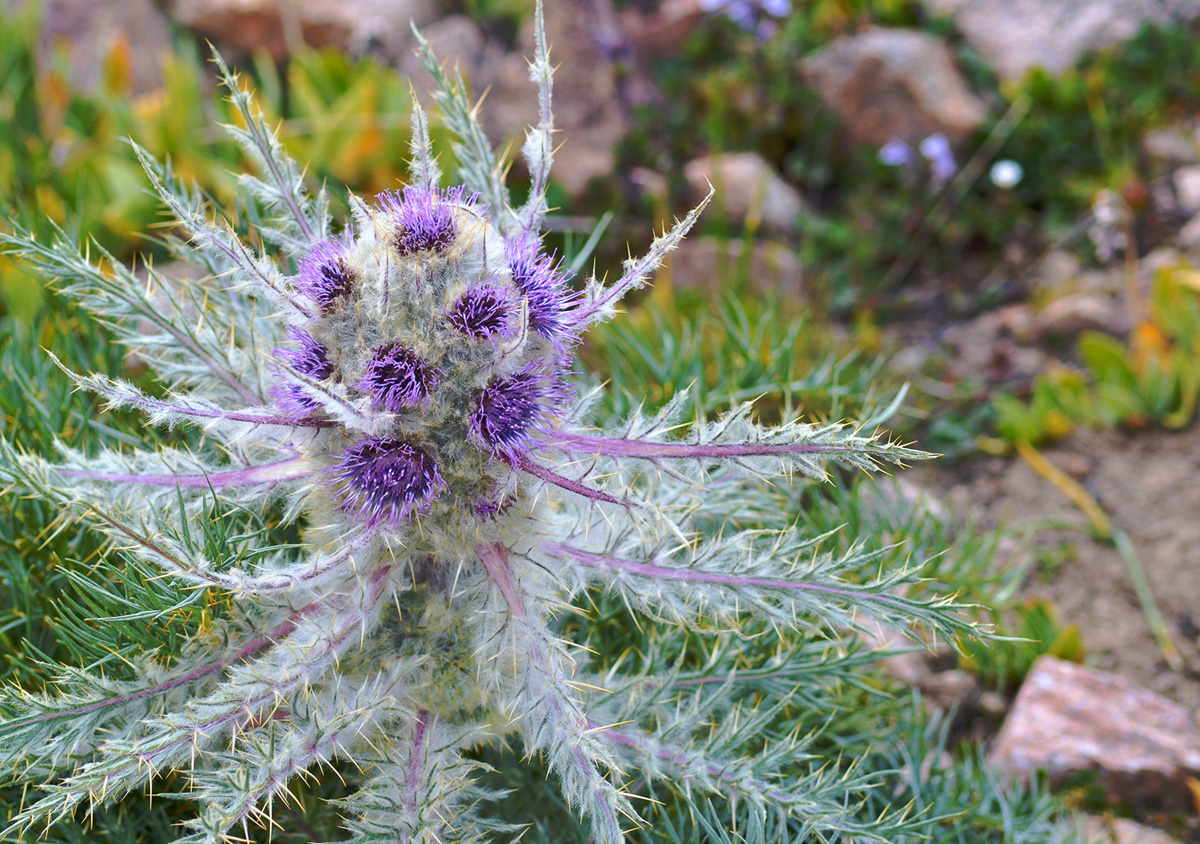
{"x": 402, "y": 394}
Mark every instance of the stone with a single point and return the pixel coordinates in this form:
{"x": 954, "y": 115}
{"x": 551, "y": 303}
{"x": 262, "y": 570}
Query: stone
{"x": 1189, "y": 237}
{"x": 1187, "y": 187}
{"x": 1123, "y": 831}
{"x": 894, "y": 84}
{"x": 243, "y": 26}
{"x": 710, "y": 264}
{"x": 663, "y": 31}
{"x": 1017, "y": 35}
{"x": 748, "y": 190}
{"x": 92, "y": 29}
{"x": 1056, "y": 270}
{"x": 1068, "y": 718}
{"x": 1170, "y": 147}
{"x": 1069, "y": 315}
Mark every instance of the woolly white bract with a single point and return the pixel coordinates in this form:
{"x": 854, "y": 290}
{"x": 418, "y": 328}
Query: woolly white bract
{"x": 403, "y": 392}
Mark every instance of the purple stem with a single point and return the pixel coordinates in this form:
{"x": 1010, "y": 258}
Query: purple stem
{"x": 522, "y": 462}
{"x": 285, "y": 188}
{"x": 495, "y": 560}
{"x": 420, "y": 749}
{"x": 221, "y": 373}
{"x": 268, "y": 473}
{"x": 618, "y": 447}
{"x": 249, "y": 649}
{"x": 275, "y": 695}
{"x": 693, "y": 576}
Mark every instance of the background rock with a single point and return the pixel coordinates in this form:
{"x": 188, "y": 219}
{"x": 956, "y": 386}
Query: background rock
{"x": 1071, "y": 314}
{"x": 1123, "y": 831}
{"x": 1016, "y": 35}
{"x": 1068, "y": 719}
{"x": 665, "y": 29}
{"x": 894, "y": 83}
{"x": 747, "y": 188}
{"x": 1187, "y": 187}
{"x": 278, "y": 27}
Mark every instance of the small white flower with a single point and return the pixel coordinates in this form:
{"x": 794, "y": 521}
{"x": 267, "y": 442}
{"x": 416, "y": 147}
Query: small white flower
{"x": 1006, "y": 174}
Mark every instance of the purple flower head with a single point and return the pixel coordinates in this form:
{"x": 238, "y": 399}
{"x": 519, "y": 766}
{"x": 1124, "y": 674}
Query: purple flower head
{"x": 509, "y": 407}
{"x": 310, "y": 359}
{"x": 396, "y": 378}
{"x": 545, "y": 286}
{"x": 385, "y": 479}
{"x": 424, "y": 219}
{"x": 484, "y": 311}
{"x": 324, "y": 275}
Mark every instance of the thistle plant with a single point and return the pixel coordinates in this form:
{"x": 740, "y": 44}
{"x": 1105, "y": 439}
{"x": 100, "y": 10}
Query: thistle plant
{"x": 398, "y": 400}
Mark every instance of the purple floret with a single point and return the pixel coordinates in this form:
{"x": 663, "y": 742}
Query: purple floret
{"x": 484, "y": 311}
{"x": 509, "y": 407}
{"x": 310, "y": 359}
{"x": 423, "y": 219}
{"x": 385, "y": 479}
{"x": 396, "y": 378}
{"x": 538, "y": 276}
{"x": 325, "y": 276}
{"x": 486, "y": 508}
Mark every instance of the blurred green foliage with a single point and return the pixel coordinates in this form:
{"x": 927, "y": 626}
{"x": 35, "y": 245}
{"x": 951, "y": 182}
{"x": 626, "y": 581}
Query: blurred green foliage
{"x": 63, "y": 156}
{"x": 1001, "y": 665}
{"x": 1153, "y": 378}
{"x": 743, "y": 347}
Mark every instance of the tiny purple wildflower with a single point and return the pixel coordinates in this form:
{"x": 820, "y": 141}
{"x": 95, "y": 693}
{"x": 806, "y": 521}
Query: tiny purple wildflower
{"x": 311, "y": 359}
{"x": 509, "y": 407}
{"x": 385, "y": 479}
{"x": 396, "y": 378}
{"x": 942, "y": 166}
{"x": 424, "y": 218}
{"x": 896, "y": 153}
{"x": 484, "y": 311}
{"x": 325, "y": 276}
{"x": 545, "y": 286}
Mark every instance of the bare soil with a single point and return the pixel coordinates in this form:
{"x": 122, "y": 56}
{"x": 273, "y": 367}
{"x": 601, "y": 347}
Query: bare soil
{"x": 1147, "y": 483}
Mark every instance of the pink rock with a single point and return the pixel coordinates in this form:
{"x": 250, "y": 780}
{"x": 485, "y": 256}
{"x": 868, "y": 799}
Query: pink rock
{"x": 1067, "y": 719}
{"x": 279, "y": 28}
{"x": 1069, "y": 315}
{"x": 1122, "y": 831}
{"x": 1016, "y": 35}
{"x": 747, "y": 188}
{"x": 894, "y": 83}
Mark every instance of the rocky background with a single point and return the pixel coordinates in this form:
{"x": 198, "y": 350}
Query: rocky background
{"x": 975, "y": 279}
